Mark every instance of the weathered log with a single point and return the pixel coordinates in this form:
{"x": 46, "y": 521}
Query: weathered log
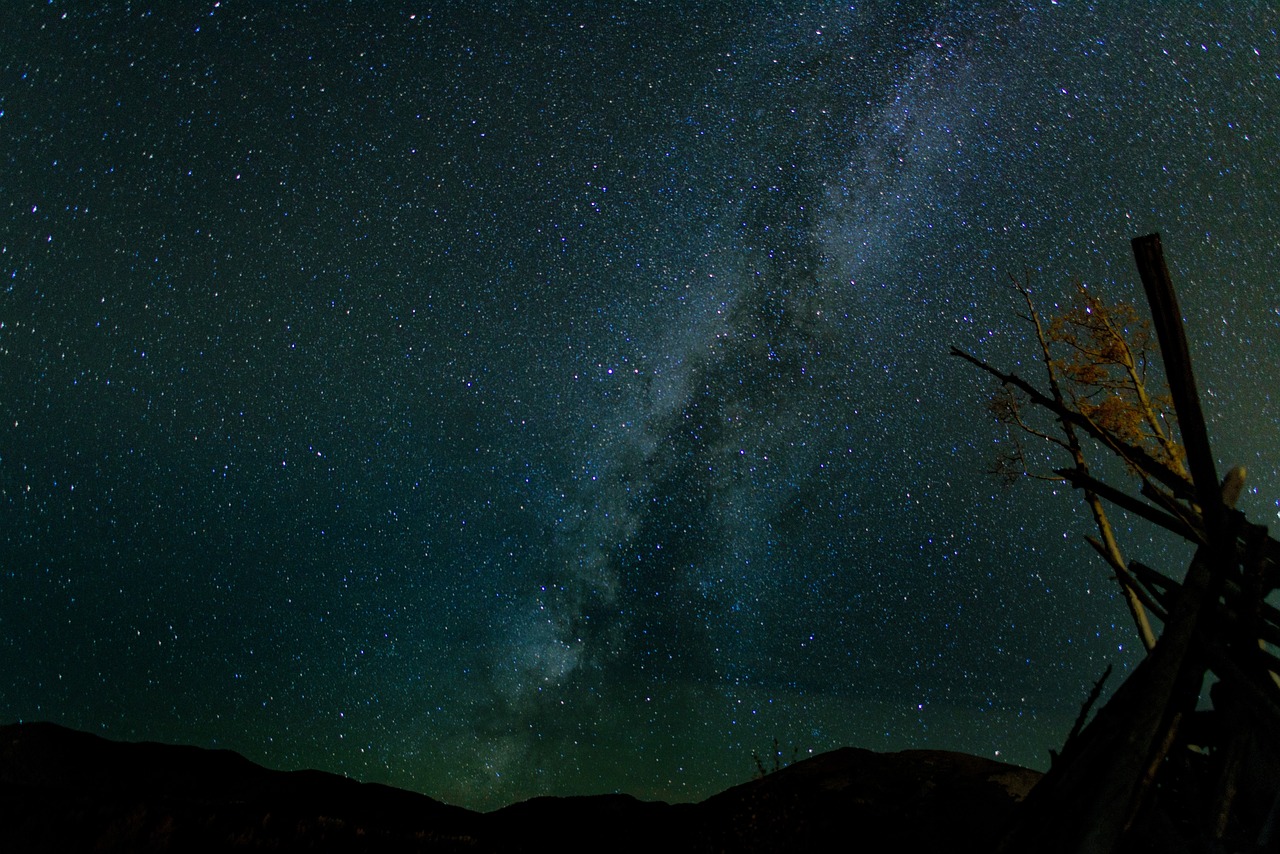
{"x": 1166, "y": 316}
{"x": 1124, "y": 501}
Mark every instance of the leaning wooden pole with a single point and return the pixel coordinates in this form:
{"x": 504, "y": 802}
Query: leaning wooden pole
{"x": 1167, "y": 318}
{"x": 1214, "y": 561}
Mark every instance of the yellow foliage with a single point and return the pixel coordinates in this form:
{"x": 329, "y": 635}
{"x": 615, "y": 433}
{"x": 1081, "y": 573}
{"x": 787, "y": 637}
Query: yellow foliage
{"x": 1104, "y": 352}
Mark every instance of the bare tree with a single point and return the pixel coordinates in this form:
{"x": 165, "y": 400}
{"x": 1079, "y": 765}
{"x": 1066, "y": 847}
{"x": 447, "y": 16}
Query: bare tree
{"x": 1096, "y": 359}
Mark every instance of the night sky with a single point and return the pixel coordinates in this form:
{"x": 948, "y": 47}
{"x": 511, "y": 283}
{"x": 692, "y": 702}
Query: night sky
{"x": 553, "y": 398}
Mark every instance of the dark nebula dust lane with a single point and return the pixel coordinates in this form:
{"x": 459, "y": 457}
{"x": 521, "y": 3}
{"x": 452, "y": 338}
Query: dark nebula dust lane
{"x": 497, "y": 402}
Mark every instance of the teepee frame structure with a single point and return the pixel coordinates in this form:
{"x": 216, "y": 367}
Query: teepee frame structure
{"x": 1154, "y": 769}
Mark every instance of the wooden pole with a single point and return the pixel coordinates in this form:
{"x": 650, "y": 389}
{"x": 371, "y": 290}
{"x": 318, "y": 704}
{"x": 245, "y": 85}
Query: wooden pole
{"x": 1167, "y": 317}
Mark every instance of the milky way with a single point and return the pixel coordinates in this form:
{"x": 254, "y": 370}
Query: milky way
{"x": 503, "y": 402}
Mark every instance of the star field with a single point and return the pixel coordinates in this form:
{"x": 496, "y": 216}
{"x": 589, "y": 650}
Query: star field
{"x": 554, "y": 398}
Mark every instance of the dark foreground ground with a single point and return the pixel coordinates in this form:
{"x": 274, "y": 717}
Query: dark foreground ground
{"x": 62, "y": 790}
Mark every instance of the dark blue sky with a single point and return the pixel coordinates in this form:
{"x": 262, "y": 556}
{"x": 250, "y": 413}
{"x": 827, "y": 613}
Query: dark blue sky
{"x": 497, "y": 401}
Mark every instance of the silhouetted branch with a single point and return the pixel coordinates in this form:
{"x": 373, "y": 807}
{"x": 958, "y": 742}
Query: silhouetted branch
{"x": 1088, "y": 704}
{"x": 1137, "y": 457}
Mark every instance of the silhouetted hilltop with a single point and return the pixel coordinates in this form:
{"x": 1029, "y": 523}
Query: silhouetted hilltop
{"x": 64, "y": 790}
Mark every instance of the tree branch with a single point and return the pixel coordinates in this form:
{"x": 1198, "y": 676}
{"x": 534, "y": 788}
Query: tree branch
{"x": 1139, "y": 458}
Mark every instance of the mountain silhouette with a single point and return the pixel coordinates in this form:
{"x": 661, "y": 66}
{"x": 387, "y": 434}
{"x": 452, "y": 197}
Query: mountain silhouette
{"x": 63, "y": 790}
